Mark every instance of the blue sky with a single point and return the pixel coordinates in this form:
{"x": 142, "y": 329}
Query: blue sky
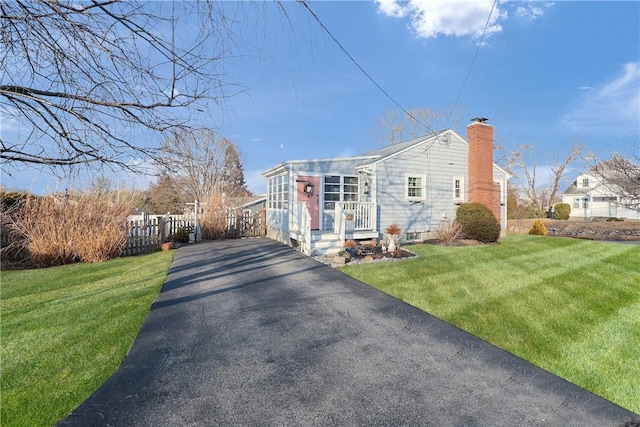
{"x": 547, "y": 74}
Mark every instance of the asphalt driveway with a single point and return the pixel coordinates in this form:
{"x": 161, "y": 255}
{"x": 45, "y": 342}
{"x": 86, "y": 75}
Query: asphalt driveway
{"x": 252, "y": 333}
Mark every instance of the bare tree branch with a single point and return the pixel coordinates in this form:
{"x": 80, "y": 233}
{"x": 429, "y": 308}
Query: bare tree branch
{"x": 523, "y": 167}
{"x": 621, "y": 176}
{"x": 103, "y": 80}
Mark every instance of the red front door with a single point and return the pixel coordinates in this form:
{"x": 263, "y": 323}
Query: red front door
{"x": 308, "y": 190}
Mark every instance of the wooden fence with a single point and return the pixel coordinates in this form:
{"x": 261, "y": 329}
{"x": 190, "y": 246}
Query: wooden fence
{"x": 147, "y": 234}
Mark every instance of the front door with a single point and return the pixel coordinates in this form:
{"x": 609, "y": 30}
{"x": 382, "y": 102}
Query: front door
{"x": 308, "y": 190}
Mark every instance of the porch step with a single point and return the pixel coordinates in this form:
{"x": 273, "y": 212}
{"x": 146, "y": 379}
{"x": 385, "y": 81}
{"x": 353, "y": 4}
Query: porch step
{"x": 325, "y": 244}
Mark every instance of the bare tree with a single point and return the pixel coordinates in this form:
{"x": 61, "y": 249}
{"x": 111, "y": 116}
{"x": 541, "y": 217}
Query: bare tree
{"x": 99, "y": 81}
{"x": 558, "y": 171}
{"x": 523, "y": 166}
{"x": 197, "y": 158}
{"x": 398, "y": 127}
{"x": 621, "y": 176}
{"x": 167, "y": 195}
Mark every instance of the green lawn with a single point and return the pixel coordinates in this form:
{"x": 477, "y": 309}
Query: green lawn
{"x": 569, "y": 306}
{"x": 65, "y": 330}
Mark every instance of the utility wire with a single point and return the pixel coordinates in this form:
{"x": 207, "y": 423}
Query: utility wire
{"x": 306, "y": 5}
{"x": 473, "y": 61}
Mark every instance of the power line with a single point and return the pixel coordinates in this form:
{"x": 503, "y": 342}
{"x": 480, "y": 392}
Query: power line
{"x": 473, "y": 61}
{"x": 304, "y": 3}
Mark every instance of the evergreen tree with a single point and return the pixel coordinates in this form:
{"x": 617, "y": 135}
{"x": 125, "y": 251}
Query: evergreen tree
{"x": 232, "y": 173}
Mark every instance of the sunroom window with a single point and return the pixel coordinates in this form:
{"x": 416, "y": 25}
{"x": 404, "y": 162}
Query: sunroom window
{"x": 338, "y": 188}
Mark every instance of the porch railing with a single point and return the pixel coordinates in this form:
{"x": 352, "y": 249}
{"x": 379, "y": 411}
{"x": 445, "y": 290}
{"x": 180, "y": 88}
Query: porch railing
{"x": 301, "y": 223}
{"x": 363, "y": 214}
{"x": 353, "y": 216}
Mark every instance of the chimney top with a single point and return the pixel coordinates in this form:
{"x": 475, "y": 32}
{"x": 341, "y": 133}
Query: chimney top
{"x": 479, "y": 120}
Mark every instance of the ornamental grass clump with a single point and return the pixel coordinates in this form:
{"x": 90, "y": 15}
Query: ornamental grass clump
{"x": 213, "y": 221}
{"x": 75, "y": 227}
{"x": 448, "y": 232}
{"x": 478, "y": 222}
{"x": 538, "y": 229}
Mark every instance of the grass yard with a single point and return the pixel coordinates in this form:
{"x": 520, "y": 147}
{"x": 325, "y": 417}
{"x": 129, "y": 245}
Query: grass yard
{"x": 66, "y": 329}
{"x": 569, "y": 306}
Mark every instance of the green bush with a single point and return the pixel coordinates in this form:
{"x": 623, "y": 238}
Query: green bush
{"x": 562, "y": 210}
{"x": 181, "y": 235}
{"x": 538, "y": 228}
{"x": 615, "y": 219}
{"x": 478, "y": 222}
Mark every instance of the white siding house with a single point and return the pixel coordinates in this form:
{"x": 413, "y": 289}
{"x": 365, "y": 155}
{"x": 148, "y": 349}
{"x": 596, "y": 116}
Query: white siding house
{"x": 416, "y": 184}
{"x": 589, "y": 197}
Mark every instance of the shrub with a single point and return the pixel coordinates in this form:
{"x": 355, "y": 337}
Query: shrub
{"x": 538, "y": 228}
{"x": 181, "y": 235}
{"x": 350, "y": 244}
{"x": 562, "y": 211}
{"x": 478, "y": 222}
{"x": 56, "y": 229}
{"x": 615, "y": 219}
{"x": 448, "y": 232}
{"x": 213, "y": 220}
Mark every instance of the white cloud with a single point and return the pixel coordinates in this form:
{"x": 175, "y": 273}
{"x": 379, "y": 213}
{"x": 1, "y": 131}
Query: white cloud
{"x": 430, "y": 18}
{"x": 459, "y": 18}
{"x": 613, "y": 105}
{"x": 530, "y": 10}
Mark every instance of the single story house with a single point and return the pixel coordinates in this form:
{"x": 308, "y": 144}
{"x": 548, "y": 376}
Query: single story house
{"x": 417, "y": 184}
{"x": 248, "y": 205}
{"x": 590, "y": 197}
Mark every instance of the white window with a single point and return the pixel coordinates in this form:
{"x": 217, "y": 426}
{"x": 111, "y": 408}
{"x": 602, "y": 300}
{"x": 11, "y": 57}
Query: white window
{"x": 339, "y": 188}
{"x": 576, "y": 203}
{"x": 458, "y": 188}
{"x": 415, "y": 187}
{"x": 585, "y": 182}
{"x": 278, "y": 192}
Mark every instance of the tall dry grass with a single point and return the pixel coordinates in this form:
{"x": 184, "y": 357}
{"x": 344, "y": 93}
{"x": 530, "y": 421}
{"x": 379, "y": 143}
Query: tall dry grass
{"x": 76, "y": 227}
{"x": 212, "y": 221}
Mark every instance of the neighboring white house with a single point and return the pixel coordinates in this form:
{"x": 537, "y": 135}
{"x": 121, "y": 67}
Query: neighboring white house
{"x": 589, "y": 197}
{"x": 417, "y": 184}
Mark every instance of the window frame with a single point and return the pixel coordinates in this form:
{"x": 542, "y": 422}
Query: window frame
{"x": 342, "y": 183}
{"x": 422, "y": 187}
{"x": 278, "y": 192}
{"x": 460, "y": 189}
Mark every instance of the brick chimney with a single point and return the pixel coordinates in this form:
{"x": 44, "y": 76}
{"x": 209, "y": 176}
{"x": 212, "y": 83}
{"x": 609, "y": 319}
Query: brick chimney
{"x": 482, "y": 188}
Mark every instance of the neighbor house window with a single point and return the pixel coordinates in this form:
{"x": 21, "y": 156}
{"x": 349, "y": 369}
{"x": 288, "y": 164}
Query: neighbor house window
{"x": 278, "y": 192}
{"x": 415, "y": 187}
{"x": 458, "y": 188}
{"x": 585, "y": 182}
{"x": 576, "y": 203}
{"x": 586, "y": 203}
{"x": 339, "y": 188}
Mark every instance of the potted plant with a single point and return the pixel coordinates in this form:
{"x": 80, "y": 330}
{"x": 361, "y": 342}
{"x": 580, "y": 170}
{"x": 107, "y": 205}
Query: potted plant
{"x": 393, "y": 234}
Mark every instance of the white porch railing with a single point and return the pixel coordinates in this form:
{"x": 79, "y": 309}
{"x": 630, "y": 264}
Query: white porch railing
{"x": 340, "y": 224}
{"x": 301, "y": 223}
{"x": 353, "y": 216}
{"x": 363, "y": 214}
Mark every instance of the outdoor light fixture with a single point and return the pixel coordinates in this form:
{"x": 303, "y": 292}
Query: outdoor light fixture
{"x": 308, "y": 188}
{"x": 366, "y": 187}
